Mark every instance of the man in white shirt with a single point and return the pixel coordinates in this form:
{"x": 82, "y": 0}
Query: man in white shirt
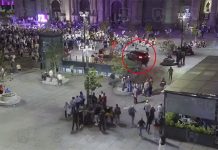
{"x": 160, "y": 111}
{"x": 60, "y": 78}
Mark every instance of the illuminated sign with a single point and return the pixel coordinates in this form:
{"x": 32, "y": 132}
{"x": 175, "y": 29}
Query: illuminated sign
{"x": 42, "y": 18}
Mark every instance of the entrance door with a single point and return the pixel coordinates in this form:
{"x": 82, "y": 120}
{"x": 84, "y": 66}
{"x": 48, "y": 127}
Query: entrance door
{"x": 84, "y": 5}
{"x": 55, "y": 5}
{"x": 116, "y": 11}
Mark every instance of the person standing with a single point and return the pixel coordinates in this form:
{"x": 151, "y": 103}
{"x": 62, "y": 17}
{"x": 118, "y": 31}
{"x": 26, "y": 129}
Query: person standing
{"x": 132, "y": 112}
{"x": 75, "y": 115}
{"x": 146, "y": 85}
{"x": 160, "y": 111}
{"x": 183, "y": 57}
{"x": 135, "y": 95}
{"x": 141, "y": 125}
{"x": 104, "y": 100}
{"x": 170, "y": 71}
{"x": 147, "y": 108}
{"x": 150, "y": 89}
{"x": 101, "y": 124}
{"x": 117, "y": 113}
{"x": 65, "y": 109}
{"x": 82, "y": 97}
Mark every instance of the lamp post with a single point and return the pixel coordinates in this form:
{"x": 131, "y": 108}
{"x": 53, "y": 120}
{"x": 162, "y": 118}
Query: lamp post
{"x": 87, "y": 58}
{"x": 84, "y": 15}
{"x": 183, "y": 17}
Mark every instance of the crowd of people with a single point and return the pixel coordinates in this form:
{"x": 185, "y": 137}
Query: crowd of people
{"x": 94, "y": 111}
{"x": 99, "y": 114}
{"x": 144, "y": 88}
{"x": 19, "y": 41}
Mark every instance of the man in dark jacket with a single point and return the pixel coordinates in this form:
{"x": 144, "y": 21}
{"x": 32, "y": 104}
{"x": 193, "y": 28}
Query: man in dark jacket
{"x": 141, "y": 125}
{"x": 75, "y": 115}
{"x": 150, "y": 119}
{"x": 102, "y": 121}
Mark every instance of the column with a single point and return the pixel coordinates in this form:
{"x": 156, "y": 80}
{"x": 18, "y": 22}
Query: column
{"x": 66, "y": 10}
{"x": 212, "y": 18}
{"x": 70, "y": 10}
{"x": 195, "y": 9}
{"x": 100, "y": 10}
{"x": 19, "y": 8}
{"x": 75, "y": 11}
{"x": 169, "y": 12}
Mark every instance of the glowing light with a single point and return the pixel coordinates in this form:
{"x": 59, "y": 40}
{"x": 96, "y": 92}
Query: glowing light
{"x": 42, "y": 18}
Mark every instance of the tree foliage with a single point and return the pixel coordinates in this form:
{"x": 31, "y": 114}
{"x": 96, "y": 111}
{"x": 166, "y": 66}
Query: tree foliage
{"x": 92, "y": 81}
{"x": 54, "y": 53}
{"x": 195, "y": 31}
{"x": 117, "y": 66}
{"x": 104, "y": 26}
{"x": 168, "y": 47}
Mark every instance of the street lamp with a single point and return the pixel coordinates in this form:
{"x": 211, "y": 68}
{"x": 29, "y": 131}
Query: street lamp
{"x": 86, "y": 54}
{"x": 183, "y": 17}
{"x": 84, "y": 15}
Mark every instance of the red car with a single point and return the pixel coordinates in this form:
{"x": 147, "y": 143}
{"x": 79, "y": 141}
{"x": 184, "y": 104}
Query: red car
{"x": 140, "y": 56}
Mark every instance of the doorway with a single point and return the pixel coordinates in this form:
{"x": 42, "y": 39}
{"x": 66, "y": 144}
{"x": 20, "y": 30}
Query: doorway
{"x": 116, "y": 12}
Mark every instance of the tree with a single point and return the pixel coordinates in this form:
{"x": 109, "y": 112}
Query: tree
{"x": 117, "y": 66}
{"x": 195, "y": 32}
{"x": 92, "y": 82}
{"x": 168, "y": 47}
{"x": 54, "y": 53}
{"x": 104, "y": 26}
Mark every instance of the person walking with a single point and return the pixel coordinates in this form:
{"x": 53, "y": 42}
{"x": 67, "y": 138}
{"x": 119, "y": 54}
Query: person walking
{"x": 162, "y": 142}
{"x": 147, "y": 108}
{"x": 150, "y": 119}
{"x": 132, "y": 112}
{"x": 141, "y": 125}
{"x": 117, "y": 113}
{"x": 170, "y": 72}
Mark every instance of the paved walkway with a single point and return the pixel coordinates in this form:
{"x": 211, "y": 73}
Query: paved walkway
{"x": 38, "y": 122}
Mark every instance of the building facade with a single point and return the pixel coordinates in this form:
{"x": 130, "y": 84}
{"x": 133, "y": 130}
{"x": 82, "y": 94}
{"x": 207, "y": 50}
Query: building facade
{"x": 135, "y": 11}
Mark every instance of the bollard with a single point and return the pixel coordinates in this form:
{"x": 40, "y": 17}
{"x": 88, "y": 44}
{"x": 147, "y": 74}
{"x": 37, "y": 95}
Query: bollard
{"x": 76, "y": 58}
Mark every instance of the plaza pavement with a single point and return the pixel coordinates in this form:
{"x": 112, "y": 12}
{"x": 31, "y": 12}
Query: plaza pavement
{"x": 38, "y": 122}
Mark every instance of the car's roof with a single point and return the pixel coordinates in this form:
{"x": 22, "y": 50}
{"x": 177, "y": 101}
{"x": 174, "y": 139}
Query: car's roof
{"x": 139, "y": 52}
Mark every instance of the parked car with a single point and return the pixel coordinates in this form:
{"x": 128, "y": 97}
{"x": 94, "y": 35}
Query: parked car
{"x": 140, "y": 56}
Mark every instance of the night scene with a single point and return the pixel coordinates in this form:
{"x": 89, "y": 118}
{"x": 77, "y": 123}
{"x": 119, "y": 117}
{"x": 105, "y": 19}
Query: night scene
{"x": 108, "y": 74}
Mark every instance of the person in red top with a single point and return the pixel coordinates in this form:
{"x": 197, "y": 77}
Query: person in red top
{"x": 1, "y": 89}
{"x": 104, "y": 100}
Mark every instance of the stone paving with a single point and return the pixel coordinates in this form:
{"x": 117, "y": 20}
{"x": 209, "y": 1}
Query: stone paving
{"x": 38, "y": 122}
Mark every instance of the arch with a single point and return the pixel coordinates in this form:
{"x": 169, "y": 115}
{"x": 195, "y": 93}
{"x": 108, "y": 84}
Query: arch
{"x": 116, "y": 10}
{"x": 55, "y": 5}
{"x": 84, "y": 5}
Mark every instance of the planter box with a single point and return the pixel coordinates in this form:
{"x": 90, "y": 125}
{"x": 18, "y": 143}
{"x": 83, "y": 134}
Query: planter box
{"x": 10, "y": 100}
{"x": 185, "y": 135}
